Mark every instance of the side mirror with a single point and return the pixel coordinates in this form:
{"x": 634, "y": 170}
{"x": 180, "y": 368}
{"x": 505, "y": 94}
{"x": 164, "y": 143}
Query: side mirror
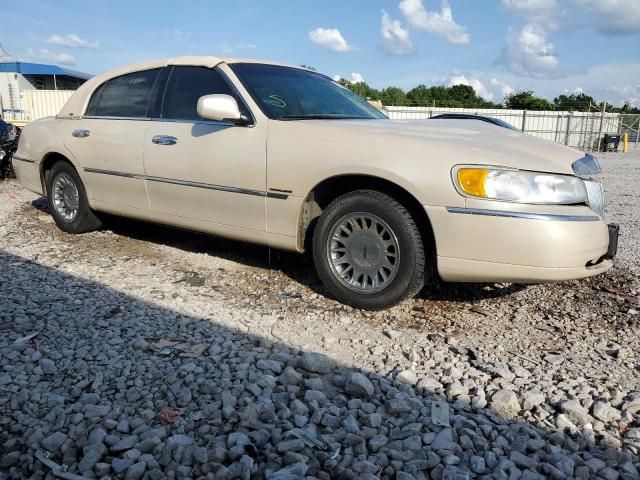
{"x": 221, "y": 108}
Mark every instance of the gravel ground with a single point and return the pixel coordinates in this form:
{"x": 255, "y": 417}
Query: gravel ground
{"x": 164, "y": 354}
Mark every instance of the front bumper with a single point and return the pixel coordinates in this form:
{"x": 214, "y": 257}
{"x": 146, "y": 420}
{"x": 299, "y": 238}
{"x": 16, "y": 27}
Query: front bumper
{"x": 529, "y": 246}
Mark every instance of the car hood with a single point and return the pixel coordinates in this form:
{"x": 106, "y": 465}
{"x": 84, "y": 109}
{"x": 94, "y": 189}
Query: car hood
{"x": 460, "y": 141}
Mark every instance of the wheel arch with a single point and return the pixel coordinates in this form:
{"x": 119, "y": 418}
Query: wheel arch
{"x": 326, "y": 191}
{"x": 47, "y": 162}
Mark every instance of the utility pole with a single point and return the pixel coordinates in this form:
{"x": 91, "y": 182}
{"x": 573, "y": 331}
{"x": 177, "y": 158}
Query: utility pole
{"x": 604, "y": 108}
{"x": 4, "y": 55}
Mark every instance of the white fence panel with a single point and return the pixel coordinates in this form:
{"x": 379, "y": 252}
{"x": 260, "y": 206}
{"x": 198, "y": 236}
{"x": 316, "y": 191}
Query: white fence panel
{"x": 575, "y": 129}
{"x": 43, "y": 103}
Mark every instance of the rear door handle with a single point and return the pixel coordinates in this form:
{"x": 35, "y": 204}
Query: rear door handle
{"x": 81, "y": 133}
{"x": 164, "y": 140}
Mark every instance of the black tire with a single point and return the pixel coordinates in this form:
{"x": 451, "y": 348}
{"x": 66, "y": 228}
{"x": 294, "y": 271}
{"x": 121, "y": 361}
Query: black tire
{"x": 409, "y": 276}
{"x": 6, "y": 167}
{"x": 85, "y": 220}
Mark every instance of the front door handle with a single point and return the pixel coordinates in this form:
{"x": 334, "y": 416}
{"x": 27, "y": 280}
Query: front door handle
{"x": 164, "y": 140}
{"x": 81, "y": 133}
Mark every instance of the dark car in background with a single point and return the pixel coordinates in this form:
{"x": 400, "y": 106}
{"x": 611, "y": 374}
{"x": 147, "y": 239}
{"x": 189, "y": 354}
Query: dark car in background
{"x": 468, "y": 116}
{"x": 9, "y": 136}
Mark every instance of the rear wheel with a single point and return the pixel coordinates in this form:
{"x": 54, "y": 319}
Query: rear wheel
{"x": 68, "y": 202}
{"x": 368, "y": 250}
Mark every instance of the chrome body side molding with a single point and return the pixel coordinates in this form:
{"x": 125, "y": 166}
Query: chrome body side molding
{"x": 22, "y": 159}
{"x": 188, "y": 183}
{"x": 525, "y": 215}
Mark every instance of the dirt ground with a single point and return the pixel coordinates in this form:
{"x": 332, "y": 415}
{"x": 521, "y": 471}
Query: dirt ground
{"x": 262, "y": 282}
{"x": 578, "y": 339}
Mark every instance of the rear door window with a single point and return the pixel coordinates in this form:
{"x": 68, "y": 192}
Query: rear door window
{"x": 125, "y": 96}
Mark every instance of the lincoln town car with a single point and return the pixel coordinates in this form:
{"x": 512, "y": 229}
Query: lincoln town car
{"x": 286, "y": 157}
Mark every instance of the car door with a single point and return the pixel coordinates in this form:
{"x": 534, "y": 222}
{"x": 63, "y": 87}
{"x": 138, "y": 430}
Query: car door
{"x": 202, "y": 174}
{"x": 108, "y": 143}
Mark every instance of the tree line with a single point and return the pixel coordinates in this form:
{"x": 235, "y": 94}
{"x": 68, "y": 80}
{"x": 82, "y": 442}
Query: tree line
{"x": 465, "y": 96}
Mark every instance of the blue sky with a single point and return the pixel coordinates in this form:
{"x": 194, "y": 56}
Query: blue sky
{"x": 550, "y": 46}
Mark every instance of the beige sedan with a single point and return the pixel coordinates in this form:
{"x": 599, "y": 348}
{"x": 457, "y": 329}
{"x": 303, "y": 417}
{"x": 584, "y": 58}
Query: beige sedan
{"x": 286, "y": 157}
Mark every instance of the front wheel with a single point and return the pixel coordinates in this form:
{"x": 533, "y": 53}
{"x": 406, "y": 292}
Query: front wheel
{"x": 368, "y": 250}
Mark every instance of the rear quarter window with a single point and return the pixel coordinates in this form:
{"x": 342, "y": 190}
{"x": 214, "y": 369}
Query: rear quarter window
{"x": 124, "y": 96}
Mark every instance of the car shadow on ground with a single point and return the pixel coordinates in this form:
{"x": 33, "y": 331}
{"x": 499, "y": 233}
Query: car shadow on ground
{"x": 298, "y": 267}
{"x": 248, "y": 405}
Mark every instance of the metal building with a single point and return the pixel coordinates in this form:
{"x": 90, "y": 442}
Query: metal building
{"x": 18, "y": 77}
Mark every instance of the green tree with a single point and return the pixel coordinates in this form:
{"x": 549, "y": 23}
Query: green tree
{"x": 527, "y": 101}
{"x": 464, "y": 94}
{"x": 364, "y": 90}
{"x": 420, "y": 96}
{"x": 393, "y": 96}
{"x": 627, "y": 108}
{"x": 441, "y": 96}
{"x": 575, "y": 102}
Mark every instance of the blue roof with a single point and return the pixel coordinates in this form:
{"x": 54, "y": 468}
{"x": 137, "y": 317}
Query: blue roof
{"x": 40, "y": 69}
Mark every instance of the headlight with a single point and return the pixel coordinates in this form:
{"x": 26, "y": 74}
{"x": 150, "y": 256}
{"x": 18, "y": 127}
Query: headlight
{"x": 520, "y": 186}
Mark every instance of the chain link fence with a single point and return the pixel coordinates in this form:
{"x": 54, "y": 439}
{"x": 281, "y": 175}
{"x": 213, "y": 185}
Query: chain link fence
{"x": 583, "y": 130}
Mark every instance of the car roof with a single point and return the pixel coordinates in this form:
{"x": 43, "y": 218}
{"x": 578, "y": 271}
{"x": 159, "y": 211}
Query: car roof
{"x": 194, "y": 60}
{"x": 76, "y": 104}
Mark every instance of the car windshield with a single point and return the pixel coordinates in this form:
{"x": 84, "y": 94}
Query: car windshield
{"x": 285, "y": 93}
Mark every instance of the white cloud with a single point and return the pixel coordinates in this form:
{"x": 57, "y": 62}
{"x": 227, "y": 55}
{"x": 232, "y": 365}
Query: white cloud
{"x": 625, "y": 93}
{"x": 71, "y": 40}
{"x": 225, "y": 49}
{"x": 438, "y": 23}
{"x": 477, "y": 85}
{"x": 529, "y": 53}
{"x": 548, "y": 14}
{"x": 613, "y": 17}
{"x": 394, "y": 38}
{"x": 505, "y": 89}
{"x": 356, "y": 78}
{"x": 180, "y": 34}
{"x": 45, "y": 55}
{"x": 530, "y": 7}
{"x": 614, "y": 82}
{"x": 331, "y": 39}
{"x": 610, "y": 17}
